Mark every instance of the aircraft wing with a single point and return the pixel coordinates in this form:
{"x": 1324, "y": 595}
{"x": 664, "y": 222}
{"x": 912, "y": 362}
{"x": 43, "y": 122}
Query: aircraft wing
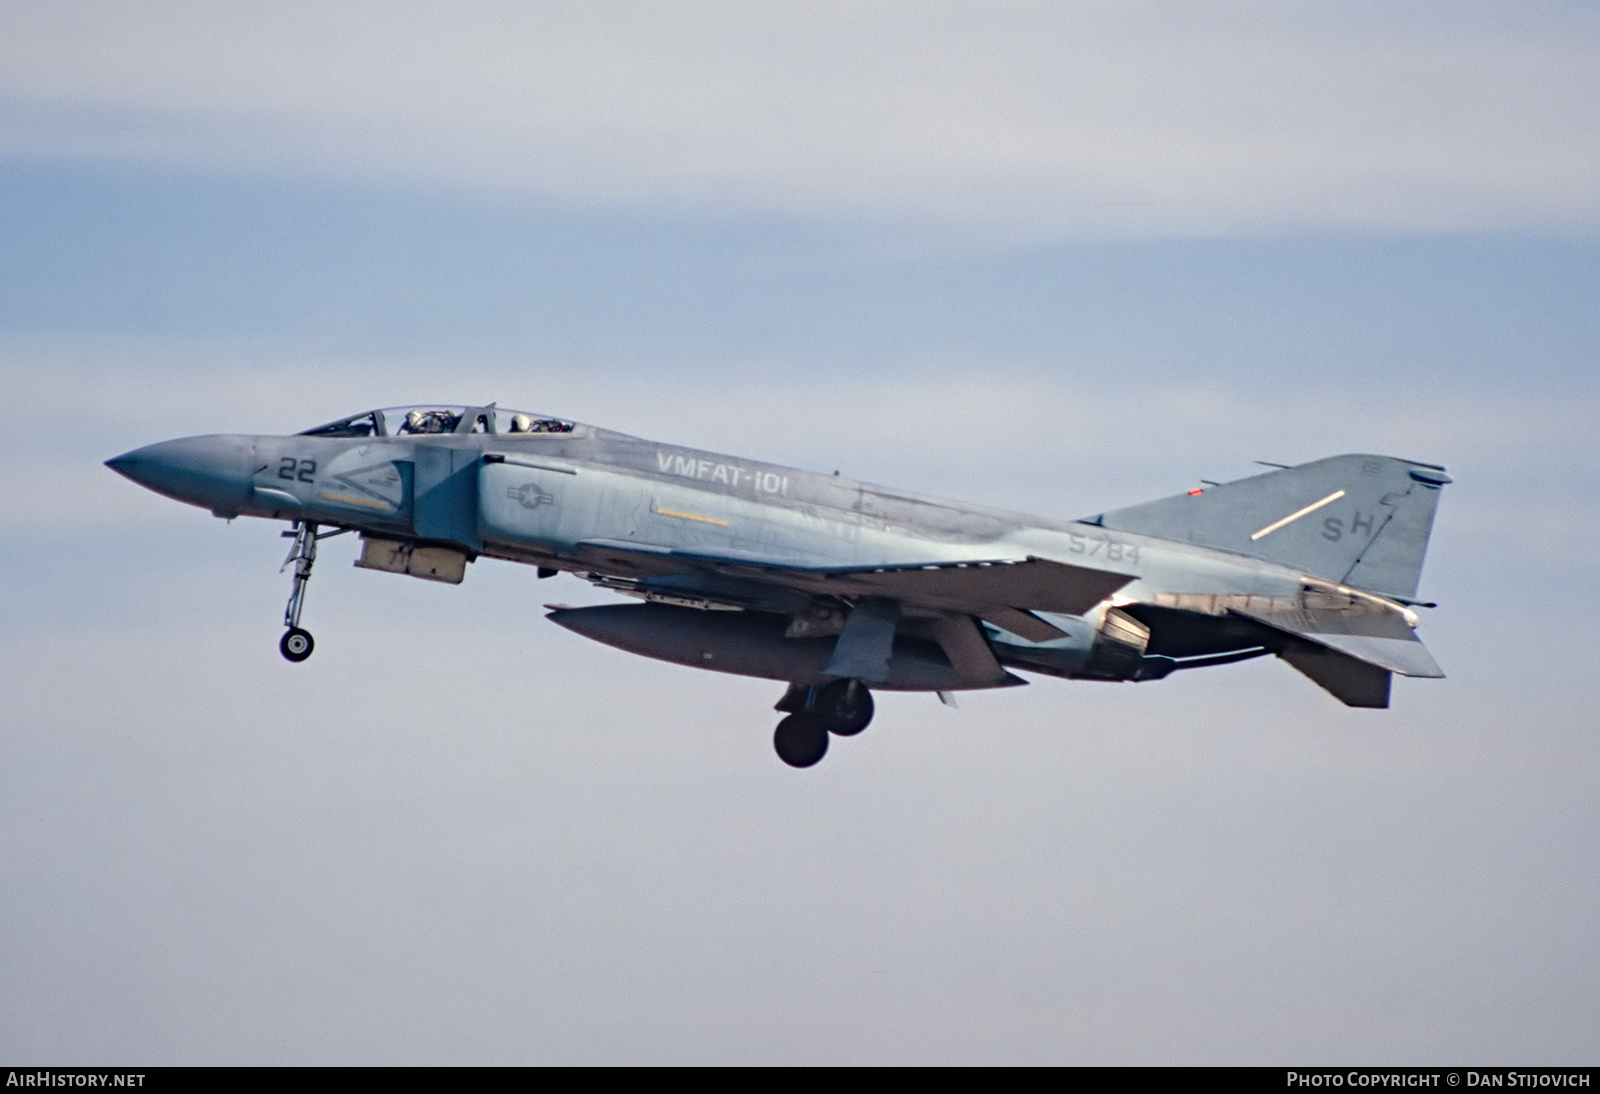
{"x": 1034, "y": 584}
{"x": 1003, "y": 591}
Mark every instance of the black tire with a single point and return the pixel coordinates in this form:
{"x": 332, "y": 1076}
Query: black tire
{"x": 296, "y": 645}
{"x": 845, "y": 705}
{"x": 801, "y": 740}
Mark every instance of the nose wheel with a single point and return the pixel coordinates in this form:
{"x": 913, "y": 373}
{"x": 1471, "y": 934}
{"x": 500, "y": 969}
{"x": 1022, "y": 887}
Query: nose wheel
{"x": 296, "y": 645}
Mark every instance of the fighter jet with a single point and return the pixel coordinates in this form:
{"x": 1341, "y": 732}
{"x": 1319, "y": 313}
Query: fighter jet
{"x": 836, "y": 587}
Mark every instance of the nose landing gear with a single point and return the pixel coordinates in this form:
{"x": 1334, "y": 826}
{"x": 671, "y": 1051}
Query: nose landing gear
{"x": 817, "y": 711}
{"x": 296, "y": 644}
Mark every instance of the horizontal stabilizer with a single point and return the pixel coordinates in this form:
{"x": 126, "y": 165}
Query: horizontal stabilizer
{"x": 1354, "y": 683}
{"x": 1382, "y": 640}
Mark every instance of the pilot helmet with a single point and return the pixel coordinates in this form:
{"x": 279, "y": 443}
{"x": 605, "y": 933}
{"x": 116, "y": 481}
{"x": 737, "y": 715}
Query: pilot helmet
{"x": 521, "y": 423}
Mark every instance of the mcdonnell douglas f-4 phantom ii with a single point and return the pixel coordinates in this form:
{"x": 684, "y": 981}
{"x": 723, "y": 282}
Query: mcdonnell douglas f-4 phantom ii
{"x": 837, "y": 587}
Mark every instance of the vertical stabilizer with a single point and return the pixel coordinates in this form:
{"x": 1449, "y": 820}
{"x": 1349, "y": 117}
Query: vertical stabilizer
{"x": 1358, "y": 520}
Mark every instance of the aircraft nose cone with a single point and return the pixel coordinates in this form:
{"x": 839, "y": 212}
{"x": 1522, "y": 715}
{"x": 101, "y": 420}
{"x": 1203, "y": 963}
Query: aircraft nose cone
{"x": 210, "y": 471}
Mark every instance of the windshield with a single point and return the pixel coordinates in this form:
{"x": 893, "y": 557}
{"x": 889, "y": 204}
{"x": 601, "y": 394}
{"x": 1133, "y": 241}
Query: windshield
{"x": 362, "y": 425}
{"x": 396, "y": 421}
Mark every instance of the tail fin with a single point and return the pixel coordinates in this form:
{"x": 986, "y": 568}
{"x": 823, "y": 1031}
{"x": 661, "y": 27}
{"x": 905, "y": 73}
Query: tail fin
{"x": 1358, "y": 520}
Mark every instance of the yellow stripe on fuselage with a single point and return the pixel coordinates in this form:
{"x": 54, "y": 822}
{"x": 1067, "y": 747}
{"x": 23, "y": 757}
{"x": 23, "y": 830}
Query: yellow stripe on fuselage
{"x": 692, "y": 516}
{"x": 348, "y": 500}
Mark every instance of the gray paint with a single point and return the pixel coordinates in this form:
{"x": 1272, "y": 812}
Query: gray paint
{"x": 1272, "y": 563}
{"x": 1372, "y": 534}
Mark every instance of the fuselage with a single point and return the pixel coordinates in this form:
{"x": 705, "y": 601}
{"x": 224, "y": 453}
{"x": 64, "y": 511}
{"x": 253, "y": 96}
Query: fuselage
{"x": 566, "y": 496}
{"x": 839, "y": 587}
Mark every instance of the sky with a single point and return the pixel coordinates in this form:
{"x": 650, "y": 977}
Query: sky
{"x": 1048, "y": 257}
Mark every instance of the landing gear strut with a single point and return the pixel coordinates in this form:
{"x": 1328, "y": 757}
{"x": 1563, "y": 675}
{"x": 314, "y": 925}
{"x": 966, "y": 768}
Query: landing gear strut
{"x": 840, "y": 708}
{"x": 296, "y": 644}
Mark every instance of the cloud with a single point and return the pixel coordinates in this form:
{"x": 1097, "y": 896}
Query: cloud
{"x": 1026, "y": 118}
{"x": 1062, "y": 446}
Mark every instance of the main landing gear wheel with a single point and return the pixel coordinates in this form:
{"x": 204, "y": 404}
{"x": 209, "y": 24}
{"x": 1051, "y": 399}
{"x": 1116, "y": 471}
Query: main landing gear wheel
{"x": 296, "y": 644}
{"x": 801, "y": 740}
{"x": 845, "y": 705}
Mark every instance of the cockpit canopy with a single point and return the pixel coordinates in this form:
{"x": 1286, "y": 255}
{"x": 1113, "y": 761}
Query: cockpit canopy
{"x": 399, "y": 421}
